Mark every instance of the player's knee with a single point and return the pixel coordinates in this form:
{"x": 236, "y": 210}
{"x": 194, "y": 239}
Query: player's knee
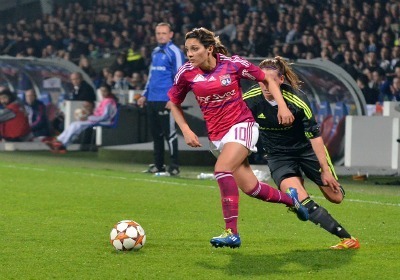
{"x": 337, "y": 199}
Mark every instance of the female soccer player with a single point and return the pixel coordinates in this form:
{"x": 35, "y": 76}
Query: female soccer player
{"x": 298, "y": 148}
{"x": 214, "y": 79}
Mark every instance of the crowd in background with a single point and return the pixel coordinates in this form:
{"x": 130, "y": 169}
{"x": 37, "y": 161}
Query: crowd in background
{"x": 360, "y": 36}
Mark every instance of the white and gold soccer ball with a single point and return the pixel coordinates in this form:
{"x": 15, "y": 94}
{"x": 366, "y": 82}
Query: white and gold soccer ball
{"x": 127, "y": 235}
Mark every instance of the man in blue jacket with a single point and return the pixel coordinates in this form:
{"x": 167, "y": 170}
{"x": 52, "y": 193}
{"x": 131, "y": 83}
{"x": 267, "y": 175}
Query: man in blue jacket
{"x": 166, "y": 60}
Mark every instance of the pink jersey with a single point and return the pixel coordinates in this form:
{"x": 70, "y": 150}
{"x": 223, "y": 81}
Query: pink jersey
{"x": 218, "y": 92}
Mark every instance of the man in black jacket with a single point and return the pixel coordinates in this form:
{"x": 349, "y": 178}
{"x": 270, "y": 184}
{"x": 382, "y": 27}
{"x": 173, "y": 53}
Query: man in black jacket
{"x": 81, "y": 89}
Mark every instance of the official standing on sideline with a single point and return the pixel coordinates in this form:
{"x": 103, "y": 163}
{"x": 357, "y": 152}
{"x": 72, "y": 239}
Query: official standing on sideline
{"x": 166, "y": 60}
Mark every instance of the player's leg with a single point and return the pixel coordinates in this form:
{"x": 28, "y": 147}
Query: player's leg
{"x": 250, "y": 185}
{"x": 231, "y": 151}
{"x": 311, "y": 168}
{"x": 169, "y": 130}
{"x": 320, "y": 216}
{"x": 231, "y": 156}
{"x": 154, "y": 122}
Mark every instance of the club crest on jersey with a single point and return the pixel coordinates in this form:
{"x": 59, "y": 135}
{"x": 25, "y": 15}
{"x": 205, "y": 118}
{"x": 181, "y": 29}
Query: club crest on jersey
{"x": 225, "y": 80}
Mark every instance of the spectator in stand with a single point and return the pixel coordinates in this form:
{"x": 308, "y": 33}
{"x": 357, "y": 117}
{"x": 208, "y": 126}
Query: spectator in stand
{"x": 81, "y": 89}
{"x": 120, "y": 63}
{"x": 136, "y": 81}
{"x": 395, "y": 88}
{"x": 103, "y": 114}
{"x": 120, "y": 81}
{"x": 358, "y": 63}
{"x": 395, "y": 61}
{"x": 348, "y": 64}
{"x": 383, "y": 85}
{"x": 86, "y": 65}
{"x": 372, "y": 62}
{"x": 37, "y": 114}
{"x": 14, "y": 123}
{"x": 134, "y": 60}
{"x": 105, "y": 77}
{"x": 371, "y": 95}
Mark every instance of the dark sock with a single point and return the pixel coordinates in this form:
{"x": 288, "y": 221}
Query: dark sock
{"x": 319, "y": 216}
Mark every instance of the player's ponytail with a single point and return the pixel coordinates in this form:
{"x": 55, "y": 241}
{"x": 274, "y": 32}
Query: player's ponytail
{"x": 283, "y": 67}
{"x": 219, "y": 47}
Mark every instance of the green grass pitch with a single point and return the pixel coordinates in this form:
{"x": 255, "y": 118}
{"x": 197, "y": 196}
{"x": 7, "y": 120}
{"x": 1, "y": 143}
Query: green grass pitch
{"x": 56, "y": 213}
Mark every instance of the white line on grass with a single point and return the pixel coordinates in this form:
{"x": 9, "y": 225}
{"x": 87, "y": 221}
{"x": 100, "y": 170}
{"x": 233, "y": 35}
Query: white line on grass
{"x": 176, "y": 183}
{"x": 363, "y": 201}
{"x": 110, "y": 177}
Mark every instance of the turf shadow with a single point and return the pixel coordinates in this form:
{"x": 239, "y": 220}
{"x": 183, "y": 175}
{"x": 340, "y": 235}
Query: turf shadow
{"x": 287, "y": 263}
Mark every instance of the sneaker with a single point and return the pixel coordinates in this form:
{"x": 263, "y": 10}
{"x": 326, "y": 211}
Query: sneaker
{"x": 48, "y": 139}
{"x": 301, "y": 210}
{"x": 347, "y": 243}
{"x": 226, "y": 239}
{"x": 153, "y": 169}
{"x": 58, "y": 148}
{"x": 173, "y": 170}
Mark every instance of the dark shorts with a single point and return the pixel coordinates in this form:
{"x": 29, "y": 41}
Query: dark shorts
{"x": 294, "y": 165}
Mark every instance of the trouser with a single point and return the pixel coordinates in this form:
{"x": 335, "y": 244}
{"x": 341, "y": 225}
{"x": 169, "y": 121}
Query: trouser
{"x": 73, "y": 131}
{"x": 162, "y": 126}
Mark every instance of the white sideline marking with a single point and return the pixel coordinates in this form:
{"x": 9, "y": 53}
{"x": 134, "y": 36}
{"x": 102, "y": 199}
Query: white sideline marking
{"x": 110, "y": 177}
{"x": 178, "y": 183}
{"x": 364, "y": 201}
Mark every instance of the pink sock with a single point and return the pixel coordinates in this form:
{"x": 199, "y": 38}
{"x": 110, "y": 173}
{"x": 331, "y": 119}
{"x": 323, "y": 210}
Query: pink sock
{"x": 229, "y": 199}
{"x": 267, "y": 193}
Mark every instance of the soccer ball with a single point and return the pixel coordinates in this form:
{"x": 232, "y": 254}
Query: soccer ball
{"x": 127, "y": 235}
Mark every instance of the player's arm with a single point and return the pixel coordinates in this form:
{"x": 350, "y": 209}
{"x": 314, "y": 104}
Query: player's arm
{"x": 177, "y": 94}
{"x": 191, "y": 138}
{"x": 285, "y": 117}
{"x": 327, "y": 177}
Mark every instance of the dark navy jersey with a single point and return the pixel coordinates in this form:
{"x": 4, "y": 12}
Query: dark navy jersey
{"x": 276, "y": 138}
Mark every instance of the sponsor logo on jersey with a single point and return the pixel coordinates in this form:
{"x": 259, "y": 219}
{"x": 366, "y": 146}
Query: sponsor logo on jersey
{"x": 225, "y": 80}
{"x": 216, "y": 97}
{"x": 211, "y": 79}
{"x": 199, "y": 78}
{"x": 245, "y": 73}
{"x": 158, "y": 68}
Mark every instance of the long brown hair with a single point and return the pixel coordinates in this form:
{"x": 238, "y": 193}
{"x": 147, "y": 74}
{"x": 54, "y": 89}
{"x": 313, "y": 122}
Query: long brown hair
{"x": 283, "y": 67}
{"x": 207, "y": 38}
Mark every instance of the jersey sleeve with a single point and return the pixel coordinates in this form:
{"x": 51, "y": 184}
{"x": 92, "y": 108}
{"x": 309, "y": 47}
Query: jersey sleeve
{"x": 177, "y": 93}
{"x": 247, "y": 70}
{"x": 311, "y": 127}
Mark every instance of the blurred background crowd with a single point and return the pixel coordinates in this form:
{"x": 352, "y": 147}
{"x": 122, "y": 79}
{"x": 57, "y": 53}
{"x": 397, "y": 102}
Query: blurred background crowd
{"x": 106, "y": 36}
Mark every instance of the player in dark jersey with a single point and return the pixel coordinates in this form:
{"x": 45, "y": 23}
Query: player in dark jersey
{"x": 292, "y": 150}
{"x": 214, "y": 79}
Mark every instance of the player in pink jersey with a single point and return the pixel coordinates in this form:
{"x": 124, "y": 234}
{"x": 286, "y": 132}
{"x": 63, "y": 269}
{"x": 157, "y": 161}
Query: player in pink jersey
{"x": 214, "y": 78}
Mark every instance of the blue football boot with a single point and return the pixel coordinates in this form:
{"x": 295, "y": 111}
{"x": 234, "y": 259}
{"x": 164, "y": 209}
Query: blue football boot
{"x": 226, "y": 239}
{"x": 301, "y": 210}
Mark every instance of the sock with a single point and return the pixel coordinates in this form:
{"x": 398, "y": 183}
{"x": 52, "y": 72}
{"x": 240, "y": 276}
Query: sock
{"x": 319, "y": 215}
{"x": 267, "y": 193}
{"x": 229, "y": 198}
